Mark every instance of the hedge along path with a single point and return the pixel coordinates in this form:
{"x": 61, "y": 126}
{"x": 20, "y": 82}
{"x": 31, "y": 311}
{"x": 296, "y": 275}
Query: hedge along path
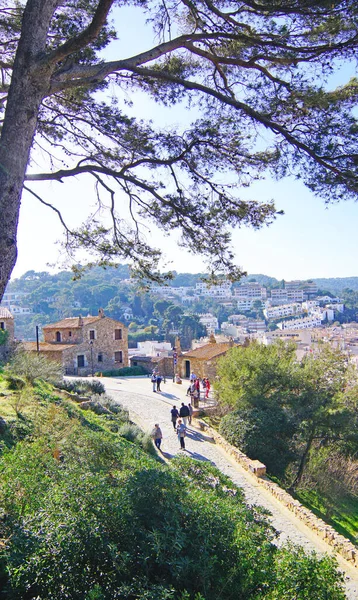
{"x": 293, "y": 522}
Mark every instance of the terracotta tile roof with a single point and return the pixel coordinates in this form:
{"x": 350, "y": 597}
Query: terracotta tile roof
{"x": 5, "y": 313}
{"x": 72, "y": 322}
{"x": 208, "y": 351}
{"x": 45, "y": 347}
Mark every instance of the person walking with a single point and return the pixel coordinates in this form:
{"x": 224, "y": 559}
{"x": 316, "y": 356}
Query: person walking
{"x": 159, "y": 381}
{"x": 181, "y": 431}
{"x": 174, "y": 416}
{"x": 207, "y": 388}
{"x": 184, "y": 413}
{"x": 154, "y": 381}
{"x": 157, "y": 435}
{"x": 190, "y": 412}
{"x": 192, "y": 376}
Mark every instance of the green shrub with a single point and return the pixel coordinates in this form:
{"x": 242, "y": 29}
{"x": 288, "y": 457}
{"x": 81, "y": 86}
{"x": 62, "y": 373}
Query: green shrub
{"x": 82, "y": 386}
{"x": 31, "y": 366}
{"x": 89, "y": 515}
{"x": 14, "y": 382}
{"x": 261, "y": 434}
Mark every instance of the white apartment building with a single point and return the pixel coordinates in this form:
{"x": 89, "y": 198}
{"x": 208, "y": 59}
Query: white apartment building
{"x": 323, "y": 313}
{"x": 215, "y": 291}
{"x": 12, "y": 298}
{"x": 279, "y": 296}
{"x": 303, "y": 323}
{"x": 295, "y": 295}
{"x": 151, "y": 348}
{"x": 339, "y": 307}
{"x": 210, "y": 322}
{"x": 310, "y": 304}
{"x": 328, "y": 299}
{"x": 252, "y": 290}
{"x": 256, "y": 325}
{"x": 285, "y": 310}
{"x": 245, "y": 304}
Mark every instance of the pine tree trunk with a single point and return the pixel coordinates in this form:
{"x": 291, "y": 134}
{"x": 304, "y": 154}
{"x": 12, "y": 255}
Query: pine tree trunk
{"x": 302, "y": 464}
{"x": 29, "y": 84}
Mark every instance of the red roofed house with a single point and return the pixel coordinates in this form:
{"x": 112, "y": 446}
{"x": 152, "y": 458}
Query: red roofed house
{"x": 85, "y": 345}
{"x": 202, "y": 360}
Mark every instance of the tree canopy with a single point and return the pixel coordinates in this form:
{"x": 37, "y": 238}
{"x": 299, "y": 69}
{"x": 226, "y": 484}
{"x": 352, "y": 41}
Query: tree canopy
{"x": 284, "y": 407}
{"x": 255, "y": 76}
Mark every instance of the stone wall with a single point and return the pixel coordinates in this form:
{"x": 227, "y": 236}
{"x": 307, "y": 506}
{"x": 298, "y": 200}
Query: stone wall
{"x": 340, "y": 544}
{"x": 9, "y": 325}
{"x": 202, "y": 368}
{"x": 69, "y": 335}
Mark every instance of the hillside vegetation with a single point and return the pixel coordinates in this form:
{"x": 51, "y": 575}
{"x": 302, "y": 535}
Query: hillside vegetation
{"x": 300, "y": 418}
{"x": 88, "y": 512}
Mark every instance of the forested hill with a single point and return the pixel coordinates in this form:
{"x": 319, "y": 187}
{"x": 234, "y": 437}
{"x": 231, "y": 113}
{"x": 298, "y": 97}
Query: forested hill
{"x": 337, "y": 284}
{"x": 43, "y": 281}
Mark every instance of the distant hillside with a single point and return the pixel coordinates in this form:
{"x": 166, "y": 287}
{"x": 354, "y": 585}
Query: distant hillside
{"x": 265, "y": 280}
{"x": 337, "y": 284}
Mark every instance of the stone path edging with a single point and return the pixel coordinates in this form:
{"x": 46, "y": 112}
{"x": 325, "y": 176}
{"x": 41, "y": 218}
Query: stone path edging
{"x": 341, "y": 545}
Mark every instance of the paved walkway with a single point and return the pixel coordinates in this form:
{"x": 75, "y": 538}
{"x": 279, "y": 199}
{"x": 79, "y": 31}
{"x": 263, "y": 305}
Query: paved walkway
{"x": 147, "y": 407}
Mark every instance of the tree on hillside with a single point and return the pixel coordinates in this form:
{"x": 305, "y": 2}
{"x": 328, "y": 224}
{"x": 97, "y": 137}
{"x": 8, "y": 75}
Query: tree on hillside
{"x": 254, "y": 71}
{"x": 282, "y": 406}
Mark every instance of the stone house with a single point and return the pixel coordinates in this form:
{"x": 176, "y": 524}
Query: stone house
{"x": 7, "y": 323}
{"x": 202, "y": 360}
{"x": 85, "y": 345}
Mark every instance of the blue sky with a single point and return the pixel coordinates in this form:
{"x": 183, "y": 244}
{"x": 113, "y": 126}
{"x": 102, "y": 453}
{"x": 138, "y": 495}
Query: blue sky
{"x": 309, "y": 240}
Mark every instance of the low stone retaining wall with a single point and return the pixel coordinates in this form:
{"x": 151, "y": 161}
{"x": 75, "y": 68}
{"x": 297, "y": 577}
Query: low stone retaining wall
{"x": 340, "y": 544}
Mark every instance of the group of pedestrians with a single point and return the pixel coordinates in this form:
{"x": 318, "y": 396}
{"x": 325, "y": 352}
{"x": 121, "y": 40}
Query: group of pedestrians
{"x": 156, "y": 380}
{"x": 194, "y": 388}
{"x": 181, "y": 417}
{"x": 180, "y": 420}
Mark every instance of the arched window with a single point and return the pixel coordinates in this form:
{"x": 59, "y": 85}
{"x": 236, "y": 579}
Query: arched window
{"x": 58, "y": 336}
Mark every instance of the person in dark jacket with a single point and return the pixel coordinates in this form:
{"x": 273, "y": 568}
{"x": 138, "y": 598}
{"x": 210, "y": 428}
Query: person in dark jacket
{"x": 174, "y": 416}
{"x": 159, "y": 381}
{"x": 184, "y": 413}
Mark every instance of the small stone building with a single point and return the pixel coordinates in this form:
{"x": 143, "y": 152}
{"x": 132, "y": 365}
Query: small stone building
{"x": 202, "y": 360}
{"x": 85, "y": 345}
{"x": 7, "y": 323}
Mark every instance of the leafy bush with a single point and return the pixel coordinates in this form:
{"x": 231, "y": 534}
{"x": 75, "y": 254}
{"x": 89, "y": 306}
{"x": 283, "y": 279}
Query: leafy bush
{"x": 125, "y": 372}
{"x": 89, "y": 515}
{"x": 82, "y": 386}
{"x": 31, "y": 366}
{"x": 4, "y": 336}
{"x": 114, "y": 407}
{"x": 122, "y": 526}
{"x": 252, "y": 428}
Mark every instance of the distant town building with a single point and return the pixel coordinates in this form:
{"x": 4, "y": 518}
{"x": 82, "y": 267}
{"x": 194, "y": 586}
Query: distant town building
{"x": 304, "y": 323}
{"x": 210, "y": 322}
{"x": 284, "y": 310}
{"x": 252, "y": 290}
{"x": 214, "y": 291}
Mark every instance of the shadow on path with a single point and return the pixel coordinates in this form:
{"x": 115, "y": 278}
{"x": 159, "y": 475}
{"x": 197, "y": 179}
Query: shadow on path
{"x": 169, "y": 396}
{"x": 198, "y": 456}
{"x": 198, "y": 437}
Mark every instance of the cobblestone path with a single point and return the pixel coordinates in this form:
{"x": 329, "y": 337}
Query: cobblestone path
{"x": 147, "y": 407}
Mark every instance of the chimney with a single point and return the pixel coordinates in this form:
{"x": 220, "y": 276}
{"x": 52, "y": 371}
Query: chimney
{"x": 80, "y": 321}
{"x": 101, "y": 313}
{"x": 212, "y": 339}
